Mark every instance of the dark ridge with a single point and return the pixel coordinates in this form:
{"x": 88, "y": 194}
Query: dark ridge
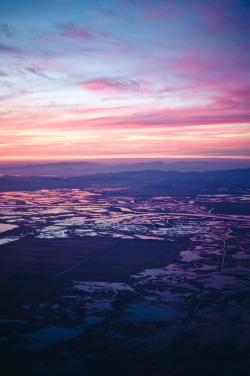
{"x": 155, "y": 179}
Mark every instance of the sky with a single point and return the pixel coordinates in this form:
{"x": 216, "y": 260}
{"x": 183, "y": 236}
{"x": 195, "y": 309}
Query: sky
{"x": 93, "y": 79}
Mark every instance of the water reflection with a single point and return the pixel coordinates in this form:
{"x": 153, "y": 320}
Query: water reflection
{"x": 203, "y": 296}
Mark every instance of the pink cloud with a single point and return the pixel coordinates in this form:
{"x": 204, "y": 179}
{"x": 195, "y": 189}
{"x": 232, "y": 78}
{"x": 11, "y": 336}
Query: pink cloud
{"x": 76, "y": 32}
{"x": 129, "y": 130}
{"x": 228, "y": 106}
{"x": 24, "y": 91}
{"x": 237, "y": 98}
{"x": 111, "y": 87}
{"x": 194, "y": 62}
{"x": 101, "y": 110}
{"x": 161, "y": 142}
{"x": 150, "y": 118}
{"x": 218, "y": 77}
{"x": 70, "y": 31}
{"x": 214, "y": 19}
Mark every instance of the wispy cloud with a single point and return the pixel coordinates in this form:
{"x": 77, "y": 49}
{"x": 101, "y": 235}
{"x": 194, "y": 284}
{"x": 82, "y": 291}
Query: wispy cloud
{"x": 37, "y": 72}
{"x": 132, "y": 77}
{"x": 9, "y": 49}
{"x": 70, "y": 30}
{"x": 104, "y": 86}
{"x": 7, "y": 30}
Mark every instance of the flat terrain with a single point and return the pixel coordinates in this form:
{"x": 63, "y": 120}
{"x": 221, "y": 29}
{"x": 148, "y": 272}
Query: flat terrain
{"x": 104, "y": 282}
{"x": 36, "y": 270}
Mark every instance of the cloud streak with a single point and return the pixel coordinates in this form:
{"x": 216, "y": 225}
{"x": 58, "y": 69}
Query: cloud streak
{"x": 124, "y": 78}
{"x": 73, "y": 31}
{"x": 104, "y": 86}
{"x": 9, "y": 49}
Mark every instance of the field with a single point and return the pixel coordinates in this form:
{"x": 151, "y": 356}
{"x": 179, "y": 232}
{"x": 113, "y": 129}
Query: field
{"x": 102, "y": 282}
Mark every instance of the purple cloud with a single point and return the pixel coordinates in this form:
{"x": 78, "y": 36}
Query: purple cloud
{"x": 104, "y": 86}
{"x": 73, "y": 31}
{"x": 37, "y": 72}
{"x": 4, "y": 48}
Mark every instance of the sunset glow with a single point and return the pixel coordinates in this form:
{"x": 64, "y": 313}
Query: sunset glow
{"x": 124, "y": 79}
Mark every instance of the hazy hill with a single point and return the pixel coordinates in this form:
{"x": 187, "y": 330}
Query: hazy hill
{"x": 69, "y": 169}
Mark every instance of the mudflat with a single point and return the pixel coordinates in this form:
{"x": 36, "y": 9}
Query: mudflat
{"x": 36, "y": 270}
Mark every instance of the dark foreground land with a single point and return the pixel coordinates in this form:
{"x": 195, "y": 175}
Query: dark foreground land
{"x": 35, "y": 273}
{"x": 72, "y": 306}
{"x": 121, "y": 283}
{"x": 38, "y": 270}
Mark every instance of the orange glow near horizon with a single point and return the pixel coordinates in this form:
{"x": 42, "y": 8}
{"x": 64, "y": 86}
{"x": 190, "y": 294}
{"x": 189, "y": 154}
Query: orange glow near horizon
{"x": 72, "y": 89}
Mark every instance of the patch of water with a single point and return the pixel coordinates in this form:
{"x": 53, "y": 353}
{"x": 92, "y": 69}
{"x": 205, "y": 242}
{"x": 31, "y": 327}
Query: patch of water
{"x": 106, "y": 287}
{"x": 9, "y": 239}
{"x": 45, "y": 337}
{"x": 6, "y": 227}
{"x": 149, "y": 312}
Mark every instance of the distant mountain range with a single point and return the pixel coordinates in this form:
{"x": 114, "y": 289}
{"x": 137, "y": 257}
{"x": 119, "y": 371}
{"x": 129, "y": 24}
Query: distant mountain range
{"x": 70, "y": 169}
{"x": 165, "y": 181}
